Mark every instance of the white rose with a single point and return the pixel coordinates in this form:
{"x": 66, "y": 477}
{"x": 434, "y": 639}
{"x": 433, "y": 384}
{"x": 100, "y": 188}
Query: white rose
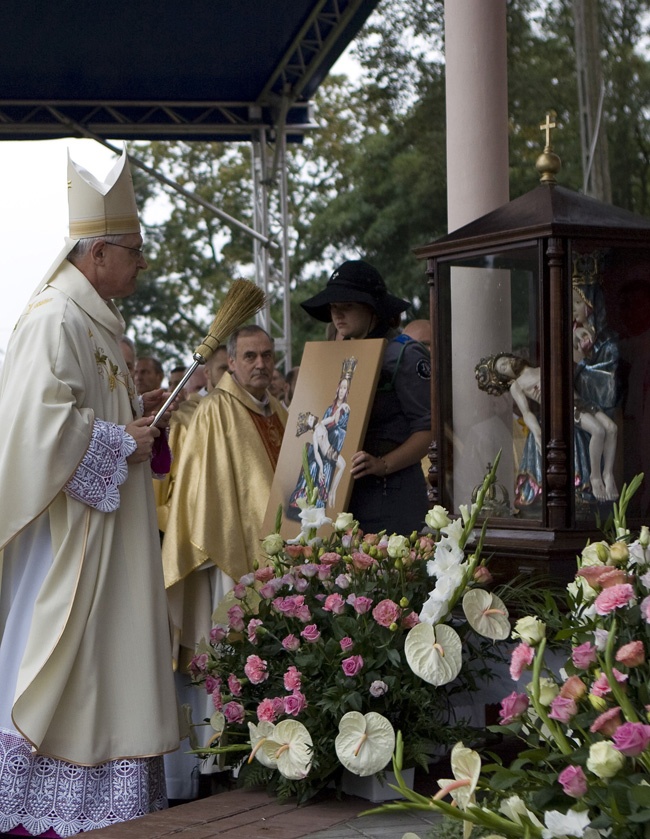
{"x": 437, "y": 518}
{"x": 398, "y": 546}
{"x": 273, "y": 544}
{"x": 548, "y": 690}
{"x": 530, "y": 630}
{"x": 344, "y": 521}
{"x": 604, "y": 760}
{"x": 597, "y": 553}
{"x": 644, "y": 536}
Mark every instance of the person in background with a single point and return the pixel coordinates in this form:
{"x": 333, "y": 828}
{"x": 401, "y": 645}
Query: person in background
{"x": 87, "y": 705}
{"x": 128, "y": 351}
{"x": 291, "y": 380}
{"x": 217, "y": 509}
{"x": 389, "y": 489}
{"x": 278, "y": 384}
{"x": 197, "y": 382}
{"x": 419, "y": 330}
{"x": 216, "y": 366}
{"x": 149, "y": 374}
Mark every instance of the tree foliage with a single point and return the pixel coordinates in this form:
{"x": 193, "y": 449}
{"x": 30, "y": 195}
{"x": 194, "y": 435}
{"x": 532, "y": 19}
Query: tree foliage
{"x": 371, "y": 180}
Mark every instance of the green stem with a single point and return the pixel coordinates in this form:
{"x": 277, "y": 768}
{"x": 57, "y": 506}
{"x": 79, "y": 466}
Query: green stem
{"x": 620, "y": 695}
{"x": 560, "y": 738}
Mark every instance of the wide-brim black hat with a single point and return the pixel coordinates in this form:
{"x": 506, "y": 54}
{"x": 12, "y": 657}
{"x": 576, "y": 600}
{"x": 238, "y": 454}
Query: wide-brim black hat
{"x": 355, "y": 281}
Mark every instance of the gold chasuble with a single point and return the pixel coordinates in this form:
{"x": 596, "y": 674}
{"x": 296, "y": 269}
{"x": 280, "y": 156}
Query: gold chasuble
{"x": 95, "y": 681}
{"x": 223, "y": 484}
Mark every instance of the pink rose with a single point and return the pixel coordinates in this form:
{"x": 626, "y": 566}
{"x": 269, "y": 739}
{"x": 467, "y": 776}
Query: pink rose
{"x": 330, "y": 558}
{"x": 256, "y": 669}
{"x": 294, "y": 551}
{"x": 239, "y": 591}
{"x": 199, "y": 663}
{"x": 410, "y": 620}
{"x": 300, "y": 584}
{"x": 573, "y": 688}
{"x": 295, "y": 703}
{"x": 265, "y": 711}
{"x": 645, "y": 609}
{"x": 607, "y": 722}
{"x": 334, "y": 603}
{"x": 217, "y": 634}
{"x": 584, "y": 655}
{"x": 482, "y": 576}
{"x": 291, "y": 643}
{"x": 573, "y": 781}
{"x": 234, "y": 685}
{"x": 263, "y": 575}
{"x": 251, "y": 629}
{"x": 236, "y": 618}
{"x": 386, "y": 612}
{"x": 521, "y": 658}
{"x": 212, "y": 684}
{"x": 378, "y": 688}
{"x": 233, "y": 712}
{"x": 614, "y": 597}
{"x": 361, "y": 605}
{"x": 632, "y": 654}
{"x": 324, "y": 572}
{"x": 562, "y": 709}
{"x": 362, "y": 561}
{"x": 352, "y": 665}
{"x": 292, "y": 679}
{"x": 342, "y": 582}
{"x": 278, "y": 704}
{"x": 303, "y": 614}
{"x": 632, "y": 738}
{"x": 346, "y": 644}
{"x": 512, "y": 707}
{"x": 267, "y": 591}
{"x": 309, "y": 570}
{"x": 601, "y": 686}
{"x": 311, "y": 633}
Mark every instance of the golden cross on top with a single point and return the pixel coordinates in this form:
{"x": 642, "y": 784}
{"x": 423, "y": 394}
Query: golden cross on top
{"x": 547, "y": 127}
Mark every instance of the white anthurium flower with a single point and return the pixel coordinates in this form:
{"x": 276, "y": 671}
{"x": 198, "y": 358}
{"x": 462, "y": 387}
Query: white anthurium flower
{"x": 410, "y": 835}
{"x": 434, "y": 653}
{"x": 487, "y": 614}
{"x": 218, "y": 722}
{"x": 466, "y": 766}
{"x": 514, "y": 808}
{"x": 365, "y": 742}
{"x": 259, "y": 734}
{"x": 291, "y": 747}
{"x": 560, "y": 825}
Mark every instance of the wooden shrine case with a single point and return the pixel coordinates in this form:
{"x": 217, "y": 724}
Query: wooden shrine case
{"x": 540, "y": 315}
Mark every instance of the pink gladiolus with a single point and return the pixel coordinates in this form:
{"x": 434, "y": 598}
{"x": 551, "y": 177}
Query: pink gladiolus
{"x": 632, "y": 654}
{"x": 632, "y": 738}
{"x": 346, "y": 644}
{"x": 615, "y": 597}
{"x": 584, "y": 655}
{"x": 607, "y": 722}
{"x": 265, "y": 711}
{"x": 236, "y": 618}
{"x": 311, "y": 633}
{"x": 256, "y": 669}
{"x": 512, "y": 707}
{"x": 352, "y": 665}
{"x": 234, "y": 685}
{"x": 334, "y": 603}
{"x": 386, "y": 612}
{"x": 292, "y": 679}
{"x": 217, "y": 700}
{"x": 233, "y": 712}
{"x": 295, "y": 703}
{"x": 563, "y": 709}
{"x": 521, "y": 658}
{"x": 573, "y": 781}
{"x": 291, "y": 643}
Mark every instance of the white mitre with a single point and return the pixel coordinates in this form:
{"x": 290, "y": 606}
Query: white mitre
{"x": 98, "y": 208}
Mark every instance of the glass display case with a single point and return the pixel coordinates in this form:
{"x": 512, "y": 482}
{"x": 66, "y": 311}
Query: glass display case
{"x": 541, "y": 350}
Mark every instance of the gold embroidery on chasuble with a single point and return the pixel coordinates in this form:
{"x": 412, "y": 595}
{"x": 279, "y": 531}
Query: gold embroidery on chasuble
{"x": 270, "y": 430}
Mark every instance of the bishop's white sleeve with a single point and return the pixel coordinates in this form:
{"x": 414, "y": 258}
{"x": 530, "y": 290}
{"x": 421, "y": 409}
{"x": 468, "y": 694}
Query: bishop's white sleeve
{"x": 103, "y": 467}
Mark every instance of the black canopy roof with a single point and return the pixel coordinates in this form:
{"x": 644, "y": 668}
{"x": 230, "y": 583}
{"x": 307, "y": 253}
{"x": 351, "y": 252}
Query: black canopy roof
{"x": 164, "y": 69}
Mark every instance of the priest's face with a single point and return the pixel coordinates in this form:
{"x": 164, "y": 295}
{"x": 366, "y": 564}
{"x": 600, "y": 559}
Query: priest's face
{"x": 253, "y": 363}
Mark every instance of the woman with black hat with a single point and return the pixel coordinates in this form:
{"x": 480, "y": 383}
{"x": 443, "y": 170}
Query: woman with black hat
{"x": 389, "y": 490}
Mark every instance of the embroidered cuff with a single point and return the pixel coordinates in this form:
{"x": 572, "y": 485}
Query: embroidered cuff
{"x": 103, "y": 467}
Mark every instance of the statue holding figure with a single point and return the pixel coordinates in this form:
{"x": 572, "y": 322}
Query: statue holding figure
{"x": 326, "y": 464}
{"x": 594, "y": 437}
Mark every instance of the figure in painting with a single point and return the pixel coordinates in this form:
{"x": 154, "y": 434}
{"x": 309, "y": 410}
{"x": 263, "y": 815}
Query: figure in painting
{"x": 594, "y": 448}
{"x": 326, "y": 464}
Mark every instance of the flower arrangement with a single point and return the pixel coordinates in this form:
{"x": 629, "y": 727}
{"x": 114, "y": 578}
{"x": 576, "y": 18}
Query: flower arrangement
{"x": 317, "y": 657}
{"x": 584, "y": 770}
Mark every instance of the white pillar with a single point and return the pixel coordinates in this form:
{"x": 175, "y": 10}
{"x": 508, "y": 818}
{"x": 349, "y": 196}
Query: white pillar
{"x": 477, "y": 182}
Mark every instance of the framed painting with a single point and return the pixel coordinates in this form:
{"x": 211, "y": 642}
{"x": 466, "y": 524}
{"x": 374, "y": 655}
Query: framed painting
{"x": 329, "y": 415}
